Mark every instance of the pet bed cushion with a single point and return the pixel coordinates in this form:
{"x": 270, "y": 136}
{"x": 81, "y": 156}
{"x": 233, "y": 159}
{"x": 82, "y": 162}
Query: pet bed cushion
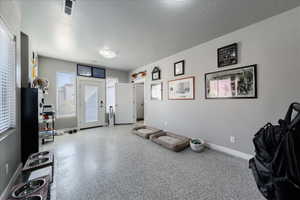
{"x": 145, "y": 131}
{"x": 171, "y": 141}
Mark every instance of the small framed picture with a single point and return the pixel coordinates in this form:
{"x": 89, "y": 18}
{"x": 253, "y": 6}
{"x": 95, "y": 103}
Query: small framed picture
{"x": 156, "y": 91}
{"x": 228, "y": 55}
{"x": 156, "y": 74}
{"x": 179, "y": 68}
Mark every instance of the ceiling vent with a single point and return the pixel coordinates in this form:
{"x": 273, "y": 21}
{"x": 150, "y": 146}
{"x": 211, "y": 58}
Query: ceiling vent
{"x": 68, "y": 7}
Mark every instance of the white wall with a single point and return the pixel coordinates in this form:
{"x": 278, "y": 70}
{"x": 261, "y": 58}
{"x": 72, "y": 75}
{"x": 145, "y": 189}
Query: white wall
{"x": 273, "y": 44}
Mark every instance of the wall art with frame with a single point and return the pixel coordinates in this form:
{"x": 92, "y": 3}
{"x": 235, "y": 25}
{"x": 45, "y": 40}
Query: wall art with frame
{"x": 179, "y": 68}
{"x": 156, "y": 74}
{"x": 156, "y": 91}
{"x": 232, "y": 84}
{"x": 182, "y": 89}
{"x": 228, "y": 55}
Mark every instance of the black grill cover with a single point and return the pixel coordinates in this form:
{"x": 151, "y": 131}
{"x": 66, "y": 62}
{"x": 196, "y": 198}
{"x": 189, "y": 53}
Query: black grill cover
{"x": 276, "y": 165}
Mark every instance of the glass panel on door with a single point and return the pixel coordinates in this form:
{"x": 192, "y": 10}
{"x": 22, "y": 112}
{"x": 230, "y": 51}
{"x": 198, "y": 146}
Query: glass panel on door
{"x": 91, "y": 103}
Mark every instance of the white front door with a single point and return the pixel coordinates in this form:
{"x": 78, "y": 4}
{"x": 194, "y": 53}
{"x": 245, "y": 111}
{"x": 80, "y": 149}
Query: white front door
{"x": 125, "y": 104}
{"x": 91, "y": 102}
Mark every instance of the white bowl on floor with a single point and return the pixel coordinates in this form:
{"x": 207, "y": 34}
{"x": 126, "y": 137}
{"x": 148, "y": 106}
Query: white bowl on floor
{"x": 197, "y": 147}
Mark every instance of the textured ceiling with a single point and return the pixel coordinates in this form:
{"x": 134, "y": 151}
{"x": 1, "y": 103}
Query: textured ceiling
{"x": 141, "y": 31}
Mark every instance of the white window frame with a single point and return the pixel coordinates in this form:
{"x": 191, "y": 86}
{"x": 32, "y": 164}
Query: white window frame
{"x": 8, "y": 111}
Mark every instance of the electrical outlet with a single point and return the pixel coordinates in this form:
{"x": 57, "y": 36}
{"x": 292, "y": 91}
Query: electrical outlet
{"x": 6, "y": 168}
{"x": 232, "y": 139}
{"x": 165, "y": 123}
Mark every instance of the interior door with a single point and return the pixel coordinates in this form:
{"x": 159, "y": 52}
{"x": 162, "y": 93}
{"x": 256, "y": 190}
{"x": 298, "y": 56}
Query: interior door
{"x": 91, "y": 101}
{"x": 125, "y": 104}
{"x": 139, "y": 93}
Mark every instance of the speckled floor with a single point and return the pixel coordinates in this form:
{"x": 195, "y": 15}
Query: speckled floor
{"x": 113, "y": 164}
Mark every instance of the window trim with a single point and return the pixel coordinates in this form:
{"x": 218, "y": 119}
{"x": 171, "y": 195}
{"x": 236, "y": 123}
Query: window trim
{"x": 12, "y": 126}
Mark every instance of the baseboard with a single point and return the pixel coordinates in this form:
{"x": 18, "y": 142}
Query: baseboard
{"x": 11, "y": 182}
{"x": 229, "y": 151}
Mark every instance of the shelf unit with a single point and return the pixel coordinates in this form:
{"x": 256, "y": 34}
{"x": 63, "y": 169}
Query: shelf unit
{"x": 47, "y": 128}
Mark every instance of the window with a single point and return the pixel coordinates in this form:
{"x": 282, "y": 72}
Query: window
{"x": 65, "y": 94}
{"x": 110, "y": 93}
{"x": 7, "y": 80}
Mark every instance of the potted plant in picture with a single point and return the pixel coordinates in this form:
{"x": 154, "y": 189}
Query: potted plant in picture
{"x": 197, "y": 145}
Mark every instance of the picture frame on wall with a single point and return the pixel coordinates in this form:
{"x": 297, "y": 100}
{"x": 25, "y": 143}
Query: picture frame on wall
{"x": 155, "y": 74}
{"x": 179, "y": 68}
{"x": 228, "y": 55}
{"x": 157, "y": 91}
{"x": 182, "y": 89}
{"x": 234, "y": 83}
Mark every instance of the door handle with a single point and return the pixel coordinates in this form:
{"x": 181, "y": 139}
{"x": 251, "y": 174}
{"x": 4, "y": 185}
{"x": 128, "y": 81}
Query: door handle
{"x": 101, "y": 104}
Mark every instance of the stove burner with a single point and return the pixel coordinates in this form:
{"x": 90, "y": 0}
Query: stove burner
{"x": 38, "y": 162}
{"x": 29, "y": 188}
{"x": 40, "y": 155}
{"x": 35, "y": 197}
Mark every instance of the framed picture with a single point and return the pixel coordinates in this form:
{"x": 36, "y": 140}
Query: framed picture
{"x": 156, "y": 91}
{"x": 155, "y": 74}
{"x": 228, "y": 55}
{"x": 182, "y": 89}
{"x": 232, "y": 84}
{"x": 179, "y": 68}
{"x": 83, "y": 70}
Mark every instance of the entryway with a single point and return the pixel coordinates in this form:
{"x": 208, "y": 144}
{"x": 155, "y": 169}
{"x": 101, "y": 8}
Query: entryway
{"x": 139, "y": 99}
{"x": 91, "y": 102}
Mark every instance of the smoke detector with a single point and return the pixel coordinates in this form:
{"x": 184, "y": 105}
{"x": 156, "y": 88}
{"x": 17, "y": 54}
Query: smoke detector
{"x": 68, "y": 7}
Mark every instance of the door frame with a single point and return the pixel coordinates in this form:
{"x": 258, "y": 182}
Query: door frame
{"x": 81, "y": 78}
{"x": 135, "y": 85}
{"x": 133, "y": 103}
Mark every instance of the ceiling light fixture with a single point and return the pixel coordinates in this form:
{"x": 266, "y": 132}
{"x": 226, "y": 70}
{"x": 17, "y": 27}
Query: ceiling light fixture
{"x": 107, "y": 53}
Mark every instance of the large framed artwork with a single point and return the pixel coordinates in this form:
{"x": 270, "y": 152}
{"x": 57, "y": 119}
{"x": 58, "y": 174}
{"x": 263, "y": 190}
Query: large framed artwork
{"x": 156, "y": 91}
{"x": 182, "y": 89}
{"x": 228, "y": 55}
{"x": 232, "y": 84}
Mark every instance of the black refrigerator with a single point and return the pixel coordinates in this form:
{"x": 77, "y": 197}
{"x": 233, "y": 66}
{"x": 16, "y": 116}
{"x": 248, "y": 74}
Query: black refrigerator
{"x": 29, "y": 122}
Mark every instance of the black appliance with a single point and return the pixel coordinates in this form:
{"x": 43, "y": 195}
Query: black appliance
{"x": 29, "y": 122}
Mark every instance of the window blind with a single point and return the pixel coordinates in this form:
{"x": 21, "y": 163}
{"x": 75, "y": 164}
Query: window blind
{"x": 7, "y": 79}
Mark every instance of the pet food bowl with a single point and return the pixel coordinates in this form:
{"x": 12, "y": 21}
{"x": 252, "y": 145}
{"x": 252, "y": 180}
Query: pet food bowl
{"x": 37, "y": 162}
{"x": 197, "y": 145}
{"x": 28, "y": 188}
{"x": 39, "y": 155}
{"x": 34, "y": 197}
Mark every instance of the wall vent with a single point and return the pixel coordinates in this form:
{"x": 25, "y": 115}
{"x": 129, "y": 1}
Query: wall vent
{"x": 68, "y": 7}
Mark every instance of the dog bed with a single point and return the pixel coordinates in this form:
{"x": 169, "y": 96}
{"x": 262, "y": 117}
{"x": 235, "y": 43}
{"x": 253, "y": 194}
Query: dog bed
{"x": 145, "y": 131}
{"x": 171, "y": 141}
